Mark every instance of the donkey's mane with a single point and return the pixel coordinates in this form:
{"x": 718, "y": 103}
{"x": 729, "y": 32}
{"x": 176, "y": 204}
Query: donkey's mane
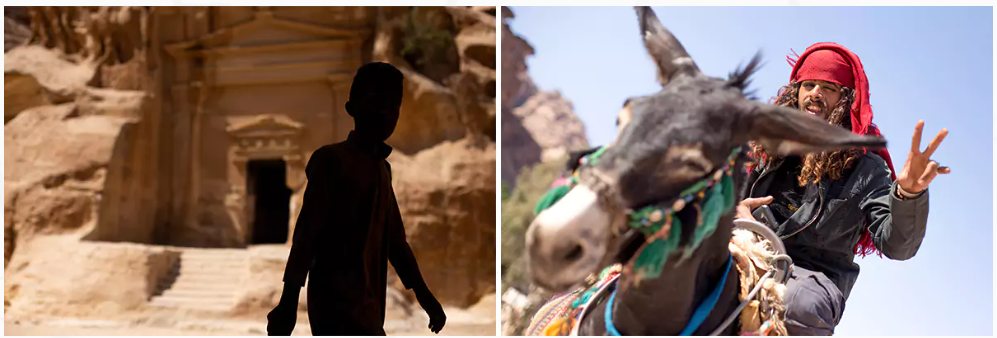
{"x": 740, "y": 78}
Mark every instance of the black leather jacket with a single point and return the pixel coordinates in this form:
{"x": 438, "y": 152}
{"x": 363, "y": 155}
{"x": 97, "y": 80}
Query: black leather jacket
{"x": 821, "y": 234}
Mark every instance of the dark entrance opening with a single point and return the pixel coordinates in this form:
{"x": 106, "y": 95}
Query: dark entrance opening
{"x": 267, "y": 183}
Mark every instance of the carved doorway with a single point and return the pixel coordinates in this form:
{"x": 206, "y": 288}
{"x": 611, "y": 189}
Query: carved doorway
{"x": 268, "y": 177}
{"x": 266, "y": 183}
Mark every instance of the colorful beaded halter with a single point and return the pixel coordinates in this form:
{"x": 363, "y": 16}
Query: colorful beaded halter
{"x": 712, "y": 197}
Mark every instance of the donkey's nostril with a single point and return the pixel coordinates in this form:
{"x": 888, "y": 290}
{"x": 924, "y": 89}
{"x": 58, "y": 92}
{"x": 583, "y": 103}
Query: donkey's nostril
{"x": 575, "y": 253}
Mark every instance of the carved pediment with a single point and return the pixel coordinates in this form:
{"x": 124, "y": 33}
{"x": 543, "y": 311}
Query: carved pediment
{"x": 266, "y": 136}
{"x": 265, "y": 29}
{"x": 265, "y": 125}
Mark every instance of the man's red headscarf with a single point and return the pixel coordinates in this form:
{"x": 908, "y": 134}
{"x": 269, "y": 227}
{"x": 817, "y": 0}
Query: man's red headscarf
{"x": 828, "y": 61}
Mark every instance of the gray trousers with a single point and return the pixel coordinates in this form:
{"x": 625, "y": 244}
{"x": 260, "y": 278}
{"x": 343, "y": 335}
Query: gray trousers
{"x": 814, "y": 305}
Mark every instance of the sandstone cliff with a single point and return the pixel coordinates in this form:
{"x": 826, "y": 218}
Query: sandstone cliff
{"x": 445, "y": 170}
{"x": 536, "y": 125}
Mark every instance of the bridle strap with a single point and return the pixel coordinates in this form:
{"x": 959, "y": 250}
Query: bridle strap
{"x": 698, "y": 317}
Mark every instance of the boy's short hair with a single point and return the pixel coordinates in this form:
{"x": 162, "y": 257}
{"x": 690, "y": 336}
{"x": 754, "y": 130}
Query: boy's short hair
{"x": 376, "y": 76}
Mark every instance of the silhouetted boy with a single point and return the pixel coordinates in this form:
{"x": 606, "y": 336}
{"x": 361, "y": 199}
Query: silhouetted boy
{"x": 350, "y": 227}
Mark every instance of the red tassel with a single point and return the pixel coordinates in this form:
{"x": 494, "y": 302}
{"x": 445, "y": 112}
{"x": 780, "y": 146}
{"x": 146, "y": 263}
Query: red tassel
{"x": 754, "y": 164}
{"x": 792, "y": 59}
{"x": 865, "y": 246}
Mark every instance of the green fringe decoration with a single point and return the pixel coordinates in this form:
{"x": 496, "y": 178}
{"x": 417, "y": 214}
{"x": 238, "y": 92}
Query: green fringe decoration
{"x": 594, "y": 157}
{"x": 553, "y": 195}
{"x": 652, "y": 259}
{"x": 728, "y": 183}
{"x": 718, "y": 200}
{"x": 638, "y": 218}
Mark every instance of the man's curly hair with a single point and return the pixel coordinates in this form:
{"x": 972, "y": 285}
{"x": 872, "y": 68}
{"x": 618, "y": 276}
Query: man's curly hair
{"x": 817, "y": 165}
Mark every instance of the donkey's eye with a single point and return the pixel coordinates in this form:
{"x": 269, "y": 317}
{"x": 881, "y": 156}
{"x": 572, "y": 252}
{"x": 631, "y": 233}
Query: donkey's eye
{"x": 690, "y": 159}
{"x": 696, "y": 163}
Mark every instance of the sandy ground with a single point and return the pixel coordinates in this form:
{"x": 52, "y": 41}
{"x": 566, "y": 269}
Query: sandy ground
{"x": 478, "y": 320}
{"x": 11, "y": 329}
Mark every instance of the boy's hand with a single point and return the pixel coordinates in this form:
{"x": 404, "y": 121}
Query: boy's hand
{"x": 433, "y": 308}
{"x": 281, "y": 320}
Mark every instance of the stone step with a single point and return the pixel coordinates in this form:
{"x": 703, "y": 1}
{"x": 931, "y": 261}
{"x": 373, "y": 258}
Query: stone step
{"x": 187, "y": 285}
{"x": 220, "y": 266}
{"x": 217, "y": 294}
{"x": 209, "y": 269}
{"x": 213, "y": 258}
{"x": 184, "y": 284}
{"x": 194, "y": 299}
{"x": 242, "y": 263}
{"x": 194, "y": 286}
{"x": 231, "y": 279}
{"x": 187, "y": 304}
{"x": 203, "y": 279}
{"x": 212, "y": 254}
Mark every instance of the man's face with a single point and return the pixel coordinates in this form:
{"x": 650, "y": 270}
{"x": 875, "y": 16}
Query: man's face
{"x": 819, "y": 97}
{"x": 378, "y": 111}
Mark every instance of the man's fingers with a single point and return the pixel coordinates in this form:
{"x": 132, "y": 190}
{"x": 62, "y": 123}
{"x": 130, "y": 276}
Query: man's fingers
{"x": 757, "y": 201}
{"x": 936, "y": 142}
{"x": 944, "y": 170}
{"x": 929, "y": 174}
{"x": 915, "y": 143}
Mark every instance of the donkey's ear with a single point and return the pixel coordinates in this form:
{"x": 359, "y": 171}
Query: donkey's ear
{"x": 785, "y": 131}
{"x": 665, "y": 49}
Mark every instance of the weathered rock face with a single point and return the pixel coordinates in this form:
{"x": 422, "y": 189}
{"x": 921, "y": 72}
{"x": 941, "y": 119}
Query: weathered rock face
{"x": 35, "y": 76}
{"x": 447, "y": 199}
{"x": 536, "y": 126}
{"x": 448, "y": 58}
{"x": 16, "y": 25}
{"x": 444, "y": 166}
{"x": 428, "y": 116}
{"x": 519, "y": 149}
{"x": 83, "y": 175}
{"x": 111, "y": 34}
{"x": 551, "y": 122}
{"x": 72, "y": 154}
{"x": 62, "y": 277}
{"x": 517, "y": 86}
{"x": 58, "y": 181}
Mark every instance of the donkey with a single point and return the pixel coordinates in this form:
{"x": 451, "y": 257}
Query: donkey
{"x": 687, "y": 132}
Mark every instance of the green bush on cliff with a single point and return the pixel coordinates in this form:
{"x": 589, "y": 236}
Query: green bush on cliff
{"x": 517, "y": 213}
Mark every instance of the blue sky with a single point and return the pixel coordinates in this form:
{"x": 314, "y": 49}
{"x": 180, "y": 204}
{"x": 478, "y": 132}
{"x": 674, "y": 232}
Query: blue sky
{"x": 930, "y": 63}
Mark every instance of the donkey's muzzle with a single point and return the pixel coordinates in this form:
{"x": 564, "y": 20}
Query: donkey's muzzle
{"x": 568, "y": 241}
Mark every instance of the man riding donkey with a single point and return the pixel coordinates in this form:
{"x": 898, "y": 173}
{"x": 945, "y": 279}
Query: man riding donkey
{"x": 830, "y": 206}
